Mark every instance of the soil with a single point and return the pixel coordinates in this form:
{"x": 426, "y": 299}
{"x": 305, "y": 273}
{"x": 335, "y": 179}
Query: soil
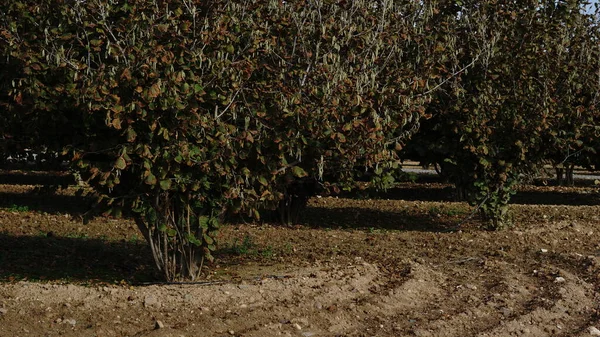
{"x": 391, "y": 266}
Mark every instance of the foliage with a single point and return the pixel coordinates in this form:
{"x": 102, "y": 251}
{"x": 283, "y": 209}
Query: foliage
{"x": 191, "y": 108}
{"x": 525, "y": 78}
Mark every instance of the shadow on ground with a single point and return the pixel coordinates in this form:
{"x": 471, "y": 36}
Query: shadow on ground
{"x": 47, "y": 202}
{"x": 369, "y": 218}
{"x": 447, "y": 193}
{"x": 74, "y": 259}
{"x": 55, "y": 178}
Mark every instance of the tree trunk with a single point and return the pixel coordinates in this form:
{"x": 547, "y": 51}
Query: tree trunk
{"x": 176, "y": 237}
{"x": 560, "y": 177}
{"x": 569, "y": 175}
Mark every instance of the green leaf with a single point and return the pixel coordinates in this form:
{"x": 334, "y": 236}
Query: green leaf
{"x": 131, "y": 135}
{"x": 263, "y": 181}
{"x": 203, "y": 222}
{"x": 165, "y": 184}
{"x": 214, "y": 223}
{"x": 150, "y": 179}
{"x": 120, "y": 164}
{"x": 193, "y": 240}
{"x": 299, "y": 172}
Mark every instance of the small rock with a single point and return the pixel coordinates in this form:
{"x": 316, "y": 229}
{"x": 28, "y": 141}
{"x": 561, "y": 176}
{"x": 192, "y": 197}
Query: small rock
{"x": 3, "y": 311}
{"x": 318, "y": 306}
{"x": 297, "y": 326}
{"x": 188, "y": 297}
{"x": 559, "y": 279}
{"x": 159, "y": 325}
{"x": 593, "y": 331}
{"x": 308, "y": 334}
{"x": 70, "y": 321}
{"x": 231, "y": 332}
{"x": 150, "y": 301}
{"x": 544, "y": 250}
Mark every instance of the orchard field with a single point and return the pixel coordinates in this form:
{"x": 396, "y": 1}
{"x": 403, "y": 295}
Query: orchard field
{"x": 239, "y": 168}
{"x": 401, "y": 263}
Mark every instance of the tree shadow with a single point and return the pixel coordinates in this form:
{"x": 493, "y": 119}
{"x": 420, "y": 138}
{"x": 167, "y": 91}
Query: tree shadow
{"x": 46, "y": 178}
{"x": 47, "y": 202}
{"x": 442, "y": 193}
{"x": 73, "y": 259}
{"x": 555, "y": 198}
{"x": 370, "y": 219}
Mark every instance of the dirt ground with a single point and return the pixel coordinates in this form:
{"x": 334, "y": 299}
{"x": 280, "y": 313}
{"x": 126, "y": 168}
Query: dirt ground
{"x": 353, "y": 268}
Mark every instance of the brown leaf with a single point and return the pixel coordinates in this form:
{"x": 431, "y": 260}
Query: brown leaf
{"x": 154, "y": 90}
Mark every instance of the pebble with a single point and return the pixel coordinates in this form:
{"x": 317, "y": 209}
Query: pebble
{"x": 594, "y": 331}
{"x": 543, "y": 250}
{"x": 231, "y": 332}
{"x": 3, "y": 311}
{"x": 159, "y": 325}
{"x": 297, "y": 326}
{"x": 506, "y": 311}
{"x": 150, "y": 300}
{"x": 559, "y": 279}
{"x": 308, "y": 334}
{"x": 70, "y": 321}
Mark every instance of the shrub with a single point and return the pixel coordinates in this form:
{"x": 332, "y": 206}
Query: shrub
{"x": 189, "y": 109}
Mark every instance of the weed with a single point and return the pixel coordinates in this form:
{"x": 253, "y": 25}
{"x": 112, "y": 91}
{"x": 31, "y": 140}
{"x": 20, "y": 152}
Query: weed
{"x": 18, "y": 208}
{"x": 268, "y": 252}
{"x": 434, "y": 211}
{"x": 450, "y": 211}
{"x": 245, "y": 247}
{"x": 82, "y": 236}
{"x": 456, "y": 211}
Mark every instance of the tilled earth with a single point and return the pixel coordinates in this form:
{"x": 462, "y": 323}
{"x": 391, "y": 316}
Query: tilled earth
{"x": 354, "y": 268}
